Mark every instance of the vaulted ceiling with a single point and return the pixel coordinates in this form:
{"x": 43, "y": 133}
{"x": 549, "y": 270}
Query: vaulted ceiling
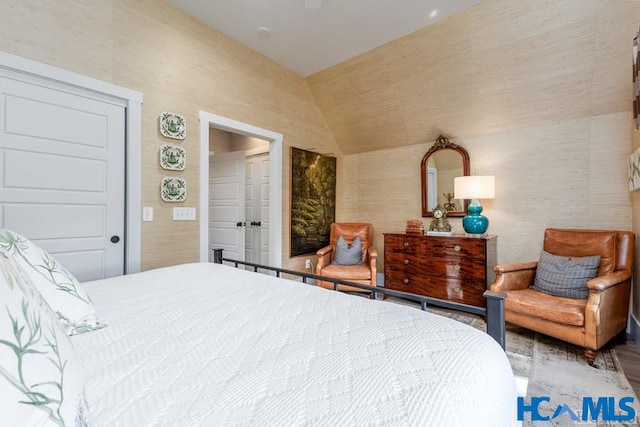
{"x": 310, "y": 39}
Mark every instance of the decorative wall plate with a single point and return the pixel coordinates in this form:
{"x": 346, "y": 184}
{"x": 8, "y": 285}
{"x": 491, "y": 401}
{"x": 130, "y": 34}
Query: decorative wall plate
{"x": 173, "y": 125}
{"x": 173, "y": 189}
{"x": 172, "y": 157}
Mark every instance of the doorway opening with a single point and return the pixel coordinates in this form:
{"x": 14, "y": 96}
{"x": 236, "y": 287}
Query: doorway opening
{"x": 211, "y": 123}
{"x": 239, "y": 196}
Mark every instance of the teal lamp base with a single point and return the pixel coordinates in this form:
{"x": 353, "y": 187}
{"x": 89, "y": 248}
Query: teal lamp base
{"x": 474, "y": 223}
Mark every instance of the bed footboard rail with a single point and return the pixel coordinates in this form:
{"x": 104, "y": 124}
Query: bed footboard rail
{"x": 493, "y": 313}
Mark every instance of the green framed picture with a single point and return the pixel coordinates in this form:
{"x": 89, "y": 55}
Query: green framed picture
{"x": 313, "y": 200}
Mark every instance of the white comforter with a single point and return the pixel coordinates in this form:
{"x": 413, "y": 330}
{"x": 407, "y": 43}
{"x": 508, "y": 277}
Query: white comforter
{"x": 207, "y": 344}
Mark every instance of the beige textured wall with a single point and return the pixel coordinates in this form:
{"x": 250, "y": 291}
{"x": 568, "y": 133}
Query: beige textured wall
{"x": 219, "y": 141}
{"x": 181, "y": 66}
{"x": 537, "y": 92}
{"x": 244, "y": 142}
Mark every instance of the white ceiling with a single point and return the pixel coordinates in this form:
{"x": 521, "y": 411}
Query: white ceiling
{"x": 307, "y": 41}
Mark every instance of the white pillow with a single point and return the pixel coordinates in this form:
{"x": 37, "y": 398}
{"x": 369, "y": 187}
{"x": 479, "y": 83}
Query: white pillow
{"x": 40, "y": 375}
{"x": 60, "y": 289}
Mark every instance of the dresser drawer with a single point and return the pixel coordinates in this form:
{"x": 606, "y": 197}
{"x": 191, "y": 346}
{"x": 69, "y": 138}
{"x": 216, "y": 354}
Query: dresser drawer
{"x": 435, "y": 266}
{"x": 452, "y": 289}
{"x": 468, "y": 249}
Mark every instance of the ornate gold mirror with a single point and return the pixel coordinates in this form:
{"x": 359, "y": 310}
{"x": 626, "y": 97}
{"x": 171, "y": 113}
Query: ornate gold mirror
{"x": 443, "y": 162}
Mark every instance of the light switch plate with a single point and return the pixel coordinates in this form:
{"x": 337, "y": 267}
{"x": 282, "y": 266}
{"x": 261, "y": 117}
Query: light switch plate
{"x": 184, "y": 214}
{"x": 147, "y": 213}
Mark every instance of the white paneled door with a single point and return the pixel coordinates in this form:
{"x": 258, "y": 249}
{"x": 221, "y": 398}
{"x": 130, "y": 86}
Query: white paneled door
{"x": 257, "y": 209}
{"x": 227, "y": 204}
{"x": 62, "y": 172}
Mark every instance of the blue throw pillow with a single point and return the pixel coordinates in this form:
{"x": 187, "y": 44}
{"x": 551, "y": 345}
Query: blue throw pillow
{"x": 565, "y": 276}
{"x": 348, "y": 254}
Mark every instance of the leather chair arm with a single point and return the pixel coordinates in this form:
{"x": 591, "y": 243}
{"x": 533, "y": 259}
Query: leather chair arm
{"x": 514, "y": 276}
{"x": 607, "y": 309}
{"x": 515, "y": 266}
{"x": 324, "y": 251}
{"x": 373, "y": 254}
{"x": 324, "y": 258}
{"x": 602, "y": 283}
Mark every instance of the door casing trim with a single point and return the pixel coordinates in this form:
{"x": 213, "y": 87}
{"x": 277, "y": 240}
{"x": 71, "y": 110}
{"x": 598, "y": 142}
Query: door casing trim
{"x": 208, "y": 120}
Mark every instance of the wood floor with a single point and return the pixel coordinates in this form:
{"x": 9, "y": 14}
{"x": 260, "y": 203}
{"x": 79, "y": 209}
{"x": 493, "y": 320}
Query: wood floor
{"x": 629, "y": 355}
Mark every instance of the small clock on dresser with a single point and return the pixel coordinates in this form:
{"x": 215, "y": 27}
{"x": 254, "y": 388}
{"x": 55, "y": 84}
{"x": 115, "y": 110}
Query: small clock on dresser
{"x": 439, "y": 223}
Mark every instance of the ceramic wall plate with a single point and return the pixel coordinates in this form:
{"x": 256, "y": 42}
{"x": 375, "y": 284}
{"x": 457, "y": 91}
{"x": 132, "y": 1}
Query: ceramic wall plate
{"x": 172, "y": 157}
{"x": 173, "y": 125}
{"x": 173, "y": 189}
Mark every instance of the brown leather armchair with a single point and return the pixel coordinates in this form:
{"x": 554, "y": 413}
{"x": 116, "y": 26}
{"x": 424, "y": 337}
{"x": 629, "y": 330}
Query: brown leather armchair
{"x": 364, "y": 273}
{"x": 589, "y": 323}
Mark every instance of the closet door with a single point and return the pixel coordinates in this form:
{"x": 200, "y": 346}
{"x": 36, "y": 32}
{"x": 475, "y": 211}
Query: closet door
{"x": 257, "y": 209}
{"x": 227, "y": 204}
{"x": 62, "y": 157}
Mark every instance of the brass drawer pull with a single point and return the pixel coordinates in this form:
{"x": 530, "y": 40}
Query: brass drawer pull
{"x": 457, "y": 290}
{"x": 405, "y": 281}
{"x": 456, "y": 267}
{"x": 406, "y": 244}
{"x": 457, "y": 248}
{"x": 406, "y": 262}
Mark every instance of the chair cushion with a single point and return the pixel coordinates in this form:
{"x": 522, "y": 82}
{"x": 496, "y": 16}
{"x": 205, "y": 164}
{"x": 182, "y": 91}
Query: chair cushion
{"x": 347, "y": 272}
{"x": 565, "y": 276}
{"x": 348, "y": 254}
{"x": 569, "y": 311}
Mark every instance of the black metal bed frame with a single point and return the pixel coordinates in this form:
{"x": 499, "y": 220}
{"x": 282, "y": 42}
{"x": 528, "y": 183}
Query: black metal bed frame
{"x": 493, "y": 313}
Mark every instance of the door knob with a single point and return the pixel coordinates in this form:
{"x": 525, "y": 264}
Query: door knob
{"x": 115, "y": 239}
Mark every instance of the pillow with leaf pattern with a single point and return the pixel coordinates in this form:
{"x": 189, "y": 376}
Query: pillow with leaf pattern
{"x": 60, "y": 289}
{"x": 40, "y": 375}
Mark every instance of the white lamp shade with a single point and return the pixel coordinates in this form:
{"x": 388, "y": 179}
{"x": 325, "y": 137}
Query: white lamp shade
{"x": 474, "y": 187}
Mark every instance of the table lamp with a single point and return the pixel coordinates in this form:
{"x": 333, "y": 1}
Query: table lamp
{"x": 474, "y": 187}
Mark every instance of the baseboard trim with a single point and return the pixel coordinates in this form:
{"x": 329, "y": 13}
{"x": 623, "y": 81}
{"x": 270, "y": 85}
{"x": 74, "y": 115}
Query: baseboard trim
{"x": 634, "y": 328}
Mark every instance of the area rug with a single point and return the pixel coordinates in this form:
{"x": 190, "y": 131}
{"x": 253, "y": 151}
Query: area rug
{"x": 558, "y": 370}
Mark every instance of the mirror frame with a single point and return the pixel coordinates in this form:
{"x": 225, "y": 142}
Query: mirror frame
{"x": 443, "y": 143}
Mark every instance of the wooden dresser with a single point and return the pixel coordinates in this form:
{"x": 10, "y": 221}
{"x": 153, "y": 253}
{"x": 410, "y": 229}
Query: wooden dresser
{"x": 457, "y": 268}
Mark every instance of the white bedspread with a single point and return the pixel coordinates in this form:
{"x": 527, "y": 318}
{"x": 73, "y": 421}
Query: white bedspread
{"x": 206, "y": 344}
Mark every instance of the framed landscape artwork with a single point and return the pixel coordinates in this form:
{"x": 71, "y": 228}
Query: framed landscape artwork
{"x": 634, "y": 170}
{"x": 313, "y": 200}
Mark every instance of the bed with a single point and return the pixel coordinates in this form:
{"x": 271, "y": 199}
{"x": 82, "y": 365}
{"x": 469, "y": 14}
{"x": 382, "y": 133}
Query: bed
{"x": 206, "y": 344}
{"x": 209, "y": 344}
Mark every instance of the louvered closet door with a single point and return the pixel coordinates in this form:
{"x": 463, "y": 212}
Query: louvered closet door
{"x": 62, "y": 172}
